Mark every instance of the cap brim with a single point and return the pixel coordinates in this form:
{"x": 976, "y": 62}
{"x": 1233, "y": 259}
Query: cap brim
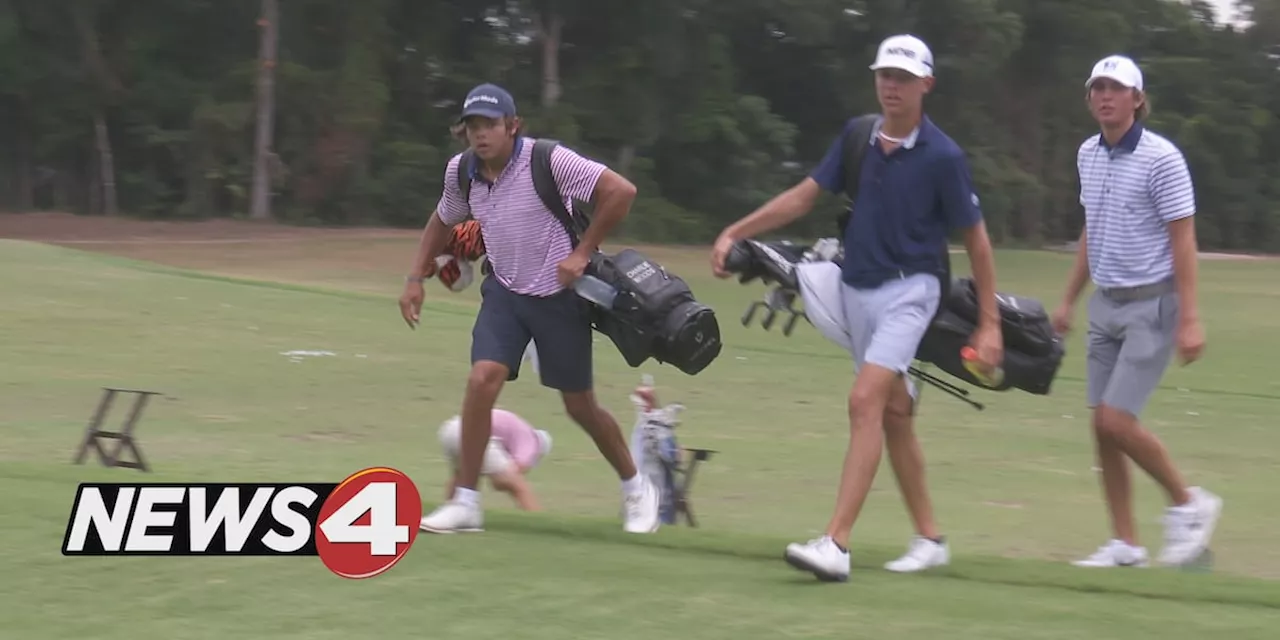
{"x": 1109, "y": 76}
{"x": 482, "y": 112}
{"x": 917, "y": 71}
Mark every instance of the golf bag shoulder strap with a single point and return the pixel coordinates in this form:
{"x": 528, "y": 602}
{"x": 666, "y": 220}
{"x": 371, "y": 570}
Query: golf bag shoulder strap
{"x": 544, "y": 182}
{"x": 857, "y": 138}
{"x": 464, "y": 174}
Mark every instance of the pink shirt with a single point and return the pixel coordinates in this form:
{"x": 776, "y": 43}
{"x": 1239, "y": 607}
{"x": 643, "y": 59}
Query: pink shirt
{"x": 523, "y": 238}
{"x": 517, "y": 437}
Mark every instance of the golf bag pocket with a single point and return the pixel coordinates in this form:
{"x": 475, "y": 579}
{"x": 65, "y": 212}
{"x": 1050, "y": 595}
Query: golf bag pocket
{"x": 1024, "y": 322}
{"x": 655, "y": 312}
{"x": 689, "y": 338}
{"x": 1032, "y": 351}
{"x": 631, "y": 341}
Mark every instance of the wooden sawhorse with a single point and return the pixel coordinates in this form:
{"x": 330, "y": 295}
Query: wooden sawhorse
{"x": 124, "y": 438}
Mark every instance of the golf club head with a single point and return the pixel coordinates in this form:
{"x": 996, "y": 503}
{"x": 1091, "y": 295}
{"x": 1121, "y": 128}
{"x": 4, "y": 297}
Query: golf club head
{"x": 770, "y": 262}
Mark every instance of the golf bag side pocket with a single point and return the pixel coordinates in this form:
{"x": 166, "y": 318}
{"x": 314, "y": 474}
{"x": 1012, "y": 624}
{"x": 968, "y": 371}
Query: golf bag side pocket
{"x": 657, "y": 309}
{"x": 1032, "y": 351}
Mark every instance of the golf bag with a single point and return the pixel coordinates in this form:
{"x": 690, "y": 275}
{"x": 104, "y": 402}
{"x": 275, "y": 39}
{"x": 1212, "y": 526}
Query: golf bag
{"x": 654, "y": 448}
{"x": 1033, "y": 351}
{"x": 654, "y": 314}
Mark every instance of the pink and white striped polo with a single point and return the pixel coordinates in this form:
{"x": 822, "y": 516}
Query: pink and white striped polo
{"x": 523, "y": 238}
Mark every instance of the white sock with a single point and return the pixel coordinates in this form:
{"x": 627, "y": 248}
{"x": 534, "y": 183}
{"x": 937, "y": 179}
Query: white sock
{"x": 633, "y": 486}
{"x": 467, "y": 497}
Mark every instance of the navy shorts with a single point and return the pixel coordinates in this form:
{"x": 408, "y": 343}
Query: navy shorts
{"x": 557, "y": 324}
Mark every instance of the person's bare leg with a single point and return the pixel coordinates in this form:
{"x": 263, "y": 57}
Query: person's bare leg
{"x": 642, "y": 501}
{"x": 450, "y": 485}
{"x": 583, "y": 408}
{"x": 1144, "y": 448}
{"x": 462, "y": 512}
{"x": 483, "y": 386}
{"x": 1117, "y": 485}
{"x": 867, "y": 402}
{"x": 513, "y": 483}
{"x": 907, "y": 459}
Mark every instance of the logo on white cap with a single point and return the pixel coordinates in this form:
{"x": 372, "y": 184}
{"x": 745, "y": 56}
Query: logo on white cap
{"x": 908, "y": 53}
{"x": 1119, "y": 68}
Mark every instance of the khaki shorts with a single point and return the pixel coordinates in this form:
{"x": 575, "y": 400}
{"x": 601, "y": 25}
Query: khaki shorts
{"x": 495, "y": 461}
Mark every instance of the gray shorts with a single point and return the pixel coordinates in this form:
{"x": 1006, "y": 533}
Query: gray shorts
{"x": 1130, "y": 344}
{"x": 887, "y": 323}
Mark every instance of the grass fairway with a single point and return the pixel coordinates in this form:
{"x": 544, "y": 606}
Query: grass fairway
{"x": 1013, "y": 485}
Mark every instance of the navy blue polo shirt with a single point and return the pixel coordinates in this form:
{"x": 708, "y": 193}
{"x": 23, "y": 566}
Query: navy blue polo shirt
{"x": 908, "y": 203}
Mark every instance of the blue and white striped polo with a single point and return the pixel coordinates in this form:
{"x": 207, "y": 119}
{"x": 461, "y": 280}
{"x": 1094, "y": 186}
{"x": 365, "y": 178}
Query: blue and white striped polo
{"x": 1130, "y": 193}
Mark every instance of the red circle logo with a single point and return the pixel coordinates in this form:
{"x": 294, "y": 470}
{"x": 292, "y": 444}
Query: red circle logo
{"x": 368, "y": 523}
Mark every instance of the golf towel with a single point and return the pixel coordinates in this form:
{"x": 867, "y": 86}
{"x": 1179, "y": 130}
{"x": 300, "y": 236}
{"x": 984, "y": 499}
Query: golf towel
{"x": 654, "y": 447}
{"x": 822, "y": 291}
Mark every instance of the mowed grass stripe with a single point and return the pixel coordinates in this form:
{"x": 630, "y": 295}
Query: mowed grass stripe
{"x": 1153, "y": 583}
{"x": 576, "y": 573}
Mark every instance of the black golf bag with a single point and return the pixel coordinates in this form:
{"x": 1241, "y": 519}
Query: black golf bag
{"x": 654, "y": 314}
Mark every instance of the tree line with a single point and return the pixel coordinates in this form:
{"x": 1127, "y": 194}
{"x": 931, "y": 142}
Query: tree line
{"x": 338, "y": 112}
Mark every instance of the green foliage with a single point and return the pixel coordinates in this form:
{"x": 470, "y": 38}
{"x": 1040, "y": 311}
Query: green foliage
{"x": 711, "y": 108}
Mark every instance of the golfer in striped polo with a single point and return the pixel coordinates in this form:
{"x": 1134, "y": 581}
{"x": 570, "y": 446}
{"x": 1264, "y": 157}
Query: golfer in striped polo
{"x": 527, "y": 296}
{"x": 1139, "y": 248}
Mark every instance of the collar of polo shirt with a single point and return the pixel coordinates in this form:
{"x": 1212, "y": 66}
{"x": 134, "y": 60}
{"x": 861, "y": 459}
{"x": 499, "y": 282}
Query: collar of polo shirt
{"x": 1128, "y": 142}
{"x": 919, "y": 135}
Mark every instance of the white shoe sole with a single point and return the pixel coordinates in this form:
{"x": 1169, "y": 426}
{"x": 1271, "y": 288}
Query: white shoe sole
{"x": 802, "y": 564}
{"x": 915, "y": 569}
{"x": 1141, "y": 564}
{"x": 428, "y": 529}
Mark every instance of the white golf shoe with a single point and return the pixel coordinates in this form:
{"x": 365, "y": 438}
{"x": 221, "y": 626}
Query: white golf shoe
{"x": 453, "y": 517}
{"x": 821, "y": 557}
{"x": 1115, "y": 553}
{"x": 641, "y": 510}
{"x": 922, "y": 554}
{"x": 1188, "y": 528}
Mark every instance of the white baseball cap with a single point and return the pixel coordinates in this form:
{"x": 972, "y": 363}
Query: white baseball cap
{"x": 905, "y": 52}
{"x": 1122, "y": 69}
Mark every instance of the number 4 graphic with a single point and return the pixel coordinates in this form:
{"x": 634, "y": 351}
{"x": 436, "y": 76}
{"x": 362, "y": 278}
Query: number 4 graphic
{"x": 378, "y": 499}
{"x": 383, "y": 537}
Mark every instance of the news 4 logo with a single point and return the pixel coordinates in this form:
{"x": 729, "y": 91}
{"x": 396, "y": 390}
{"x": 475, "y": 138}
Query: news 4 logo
{"x": 359, "y": 527}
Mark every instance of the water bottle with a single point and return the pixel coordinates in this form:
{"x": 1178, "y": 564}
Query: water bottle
{"x": 970, "y": 357}
{"x": 596, "y": 290}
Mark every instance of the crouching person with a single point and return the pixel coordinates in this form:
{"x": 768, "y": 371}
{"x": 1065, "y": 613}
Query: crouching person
{"x": 514, "y": 449}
